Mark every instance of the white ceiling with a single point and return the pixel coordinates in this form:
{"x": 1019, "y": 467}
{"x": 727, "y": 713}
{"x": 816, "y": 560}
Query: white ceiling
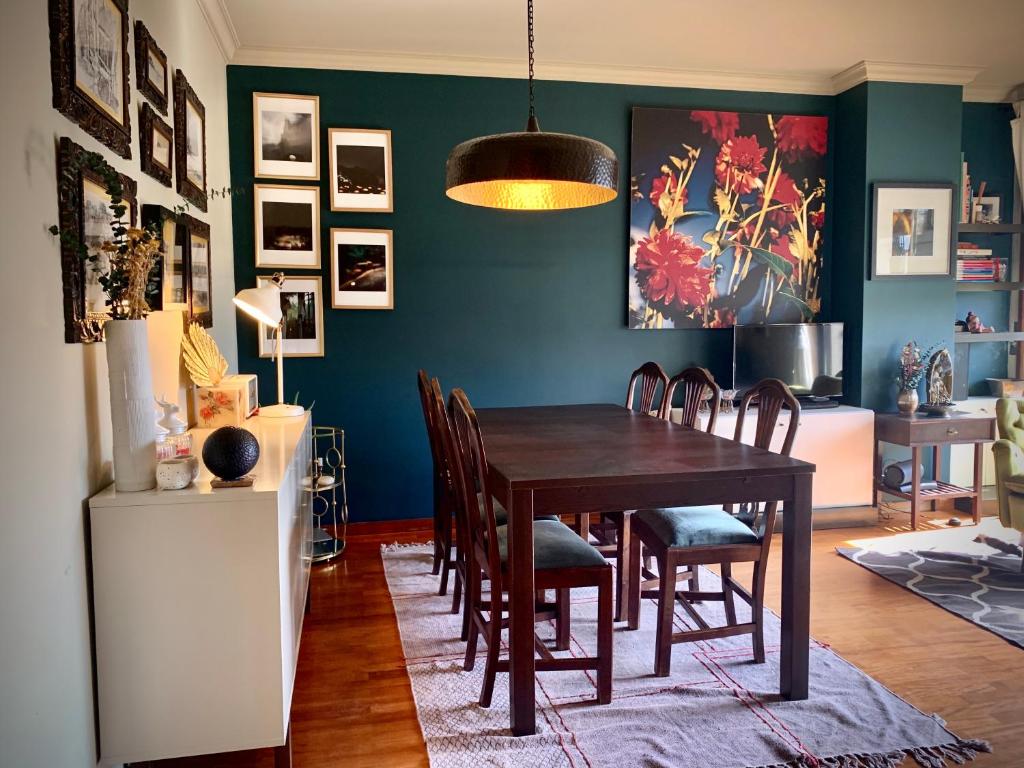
{"x": 788, "y": 45}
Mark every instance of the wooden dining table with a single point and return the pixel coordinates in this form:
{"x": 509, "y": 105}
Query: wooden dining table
{"x": 571, "y": 459}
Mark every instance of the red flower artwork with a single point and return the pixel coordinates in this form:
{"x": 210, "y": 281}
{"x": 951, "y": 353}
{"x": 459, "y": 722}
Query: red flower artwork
{"x": 817, "y": 218}
{"x": 667, "y": 184}
{"x": 740, "y": 163}
{"x": 721, "y": 125}
{"x": 799, "y": 135}
{"x": 785, "y": 194}
{"x": 668, "y": 270}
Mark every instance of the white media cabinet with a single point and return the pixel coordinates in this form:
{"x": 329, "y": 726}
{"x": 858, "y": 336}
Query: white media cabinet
{"x": 199, "y": 597}
{"x": 838, "y": 441}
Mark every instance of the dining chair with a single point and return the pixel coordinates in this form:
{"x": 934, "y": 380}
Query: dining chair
{"x": 697, "y": 385}
{"x": 648, "y": 376}
{"x": 692, "y": 536}
{"x": 562, "y": 562}
{"x": 442, "y": 494}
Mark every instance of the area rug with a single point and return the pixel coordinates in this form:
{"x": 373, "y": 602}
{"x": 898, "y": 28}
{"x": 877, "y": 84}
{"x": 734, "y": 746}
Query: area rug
{"x": 948, "y": 567}
{"x": 717, "y": 710}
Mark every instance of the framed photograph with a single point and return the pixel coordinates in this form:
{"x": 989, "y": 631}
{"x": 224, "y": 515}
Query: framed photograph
{"x": 189, "y": 142}
{"x": 303, "y": 308}
{"x": 89, "y": 68}
{"x": 172, "y": 287}
{"x": 194, "y": 236}
{"x": 986, "y": 210}
{"x": 286, "y": 136}
{"x": 362, "y": 269}
{"x": 360, "y": 166}
{"x": 151, "y": 76}
{"x": 84, "y": 209}
{"x": 156, "y": 140}
{"x": 914, "y": 234}
{"x": 287, "y": 226}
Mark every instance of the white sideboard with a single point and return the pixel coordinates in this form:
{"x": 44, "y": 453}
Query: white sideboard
{"x": 839, "y": 441}
{"x": 199, "y": 597}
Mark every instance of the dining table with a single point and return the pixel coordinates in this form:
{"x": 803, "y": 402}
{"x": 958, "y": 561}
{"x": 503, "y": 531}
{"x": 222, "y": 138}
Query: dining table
{"x": 575, "y": 459}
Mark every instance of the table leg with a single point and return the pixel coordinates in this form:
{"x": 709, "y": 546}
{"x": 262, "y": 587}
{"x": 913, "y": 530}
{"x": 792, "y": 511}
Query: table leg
{"x": 878, "y": 472}
{"x": 978, "y": 465}
{"x": 936, "y": 470}
{"x": 915, "y": 486}
{"x": 796, "y": 591}
{"x": 521, "y": 662}
{"x": 625, "y": 567}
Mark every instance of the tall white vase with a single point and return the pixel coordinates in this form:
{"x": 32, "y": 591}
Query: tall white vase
{"x": 131, "y": 405}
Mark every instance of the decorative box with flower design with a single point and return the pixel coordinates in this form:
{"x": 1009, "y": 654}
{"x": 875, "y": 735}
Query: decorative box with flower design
{"x": 228, "y": 404}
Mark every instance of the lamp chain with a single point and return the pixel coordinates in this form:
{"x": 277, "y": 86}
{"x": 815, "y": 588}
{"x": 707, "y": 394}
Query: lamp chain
{"x": 529, "y": 29}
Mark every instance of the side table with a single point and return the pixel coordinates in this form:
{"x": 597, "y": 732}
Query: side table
{"x": 917, "y": 431}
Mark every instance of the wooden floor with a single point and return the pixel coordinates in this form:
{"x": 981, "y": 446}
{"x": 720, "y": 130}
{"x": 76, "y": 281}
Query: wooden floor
{"x": 353, "y": 705}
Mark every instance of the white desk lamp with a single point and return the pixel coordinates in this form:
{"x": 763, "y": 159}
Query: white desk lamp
{"x": 264, "y": 304}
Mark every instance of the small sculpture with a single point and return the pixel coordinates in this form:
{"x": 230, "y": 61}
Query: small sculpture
{"x": 206, "y": 365}
{"x": 975, "y": 325}
{"x": 940, "y": 385}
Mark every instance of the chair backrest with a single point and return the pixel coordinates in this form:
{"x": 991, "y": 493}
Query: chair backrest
{"x": 471, "y": 459}
{"x": 449, "y": 457}
{"x": 696, "y": 384}
{"x": 648, "y": 376}
{"x": 770, "y": 395}
{"x": 426, "y": 402}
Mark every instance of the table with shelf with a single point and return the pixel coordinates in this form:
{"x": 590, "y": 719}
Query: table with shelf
{"x": 917, "y": 432}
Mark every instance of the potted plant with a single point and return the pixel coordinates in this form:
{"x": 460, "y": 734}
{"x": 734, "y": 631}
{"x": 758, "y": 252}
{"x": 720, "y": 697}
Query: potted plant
{"x": 911, "y": 370}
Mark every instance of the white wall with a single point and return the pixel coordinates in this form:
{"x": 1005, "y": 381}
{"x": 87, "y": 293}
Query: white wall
{"x": 55, "y": 449}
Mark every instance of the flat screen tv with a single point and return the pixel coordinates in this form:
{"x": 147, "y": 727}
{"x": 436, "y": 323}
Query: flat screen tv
{"x": 806, "y": 356}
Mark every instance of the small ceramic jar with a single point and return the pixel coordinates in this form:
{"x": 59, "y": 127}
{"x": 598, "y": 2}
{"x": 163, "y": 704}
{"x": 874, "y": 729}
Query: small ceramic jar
{"x": 178, "y": 473}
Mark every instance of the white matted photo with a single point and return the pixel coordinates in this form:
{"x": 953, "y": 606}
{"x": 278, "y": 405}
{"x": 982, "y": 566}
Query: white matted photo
{"x": 303, "y": 318}
{"x": 99, "y": 55}
{"x": 287, "y": 226}
{"x": 913, "y": 230}
{"x": 286, "y": 131}
{"x": 360, "y": 165}
{"x": 362, "y": 269}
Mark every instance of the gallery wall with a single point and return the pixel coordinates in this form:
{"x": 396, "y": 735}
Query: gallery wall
{"x": 56, "y": 448}
{"x": 517, "y": 308}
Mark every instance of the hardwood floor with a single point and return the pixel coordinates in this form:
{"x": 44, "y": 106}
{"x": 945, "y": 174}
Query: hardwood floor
{"x": 353, "y": 705}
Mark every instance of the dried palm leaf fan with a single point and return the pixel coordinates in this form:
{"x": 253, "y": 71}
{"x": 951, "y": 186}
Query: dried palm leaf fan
{"x": 532, "y": 170}
{"x": 203, "y": 360}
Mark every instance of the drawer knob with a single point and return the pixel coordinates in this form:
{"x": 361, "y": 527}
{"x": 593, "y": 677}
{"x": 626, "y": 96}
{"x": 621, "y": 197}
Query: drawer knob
{"x": 952, "y": 432}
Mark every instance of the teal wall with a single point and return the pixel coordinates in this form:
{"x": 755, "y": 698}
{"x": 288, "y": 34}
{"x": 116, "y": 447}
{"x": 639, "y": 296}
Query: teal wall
{"x": 515, "y": 308}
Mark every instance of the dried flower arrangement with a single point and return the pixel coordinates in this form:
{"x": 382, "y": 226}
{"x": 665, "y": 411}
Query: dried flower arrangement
{"x": 912, "y": 365}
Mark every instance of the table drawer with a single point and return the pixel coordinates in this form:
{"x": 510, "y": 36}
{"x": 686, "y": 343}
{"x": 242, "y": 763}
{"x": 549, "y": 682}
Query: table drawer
{"x": 952, "y": 431}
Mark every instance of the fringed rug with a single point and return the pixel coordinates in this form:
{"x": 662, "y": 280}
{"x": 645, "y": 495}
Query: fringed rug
{"x": 717, "y": 710}
{"x": 973, "y": 571}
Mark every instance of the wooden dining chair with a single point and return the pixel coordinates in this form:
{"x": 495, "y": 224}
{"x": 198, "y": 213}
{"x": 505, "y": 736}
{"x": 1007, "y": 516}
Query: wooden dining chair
{"x": 442, "y": 495}
{"x": 562, "y": 562}
{"x": 692, "y": 536}
{"x": 697, "y": 386}
{"x": 648, "y": 377}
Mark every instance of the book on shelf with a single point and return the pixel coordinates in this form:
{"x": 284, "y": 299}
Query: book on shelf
{"x": 973, "y": 252}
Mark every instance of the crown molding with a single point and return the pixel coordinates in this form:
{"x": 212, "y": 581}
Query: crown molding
{"x": 894, "y": 72}
{"x": 516, "y": 68}
{"x": 219, "y": 21}
{"x": 987, "y": 93}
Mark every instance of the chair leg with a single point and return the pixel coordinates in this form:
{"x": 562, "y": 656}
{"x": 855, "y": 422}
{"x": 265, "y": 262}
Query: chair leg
{"x": 622, "y": 563}
{"x": 446, "y": 551}
{"x": 757, "y": 609}
{"x": 604, "y": 639}
{"x": 469, "y": 620}
{"x": 493, "y": 649}
{"x": 635, "y": 577}
{"x": 666, "y": 611}
{"x": 583, "y": 525}
{"x": 695, "y": 580}
{"x": 456, "y": 588}
{"x": 467, "y": 606}
{"x": 730, "y": 603}
{"x": 563, "y": 625}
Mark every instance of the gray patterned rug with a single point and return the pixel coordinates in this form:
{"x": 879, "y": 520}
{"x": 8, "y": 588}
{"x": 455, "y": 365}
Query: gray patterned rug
{"x": 969, "y": 578}
{"x": 717, "y": 710}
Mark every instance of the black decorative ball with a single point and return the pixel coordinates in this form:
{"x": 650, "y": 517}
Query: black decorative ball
{"x": 230, "y": 452}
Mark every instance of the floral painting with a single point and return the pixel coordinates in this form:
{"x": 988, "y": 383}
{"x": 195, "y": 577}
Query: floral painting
{"x": 727, "y": 218}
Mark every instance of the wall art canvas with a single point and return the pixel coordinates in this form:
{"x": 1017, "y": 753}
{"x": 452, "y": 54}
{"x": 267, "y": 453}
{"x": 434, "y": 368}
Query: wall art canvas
{"x": 913, "y": 230}
{"x": 286, "y": 135}
{"x": 194, "y": 238}
{"x": 151, "y": 76}
{"x": 172, "y": 291}
{"x": 89, "y": 68}
{"x": 362, "y": 269}
{"x": 727, "y": 218}
{"x": 360, "y": 164}
{"x": 156, "y": 143}
{"x": 287, "y": 226}
{"x": 189, "y": 142}
{"x": 303, "y": 309}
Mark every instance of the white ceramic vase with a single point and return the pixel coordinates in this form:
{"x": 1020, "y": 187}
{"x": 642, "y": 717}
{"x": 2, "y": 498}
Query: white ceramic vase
{"x": 131, "y": 405}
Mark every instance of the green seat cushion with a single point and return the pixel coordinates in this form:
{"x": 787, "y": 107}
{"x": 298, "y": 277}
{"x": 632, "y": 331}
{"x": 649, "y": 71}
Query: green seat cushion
{"x": 501, "y": 514}
{"x": 555, "y": 545}
{"x": 695, "y": 526}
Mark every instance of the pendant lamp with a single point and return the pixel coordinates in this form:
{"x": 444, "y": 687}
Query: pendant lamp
{"x": 532, "y": 170}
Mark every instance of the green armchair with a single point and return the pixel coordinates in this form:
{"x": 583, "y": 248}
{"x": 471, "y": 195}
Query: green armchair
{"x": 1009, "y": 456}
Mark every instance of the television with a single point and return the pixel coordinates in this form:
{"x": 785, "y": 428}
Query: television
{"x": 808, "y": 357}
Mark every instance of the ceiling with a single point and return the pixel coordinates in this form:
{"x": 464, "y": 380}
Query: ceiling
{"x": 788, "y": 45}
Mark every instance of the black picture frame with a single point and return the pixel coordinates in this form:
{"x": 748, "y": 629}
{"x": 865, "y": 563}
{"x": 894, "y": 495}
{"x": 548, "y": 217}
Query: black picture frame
{"x": 150, "y": 123}
{"x": 165, "y": 223}
{"x": 74, "y": 101}
{"x": 146, "y": 46}
{"x": 949, "y": 233}
{"x": 184, "y": 96}
{"x": 79, "y": 326}
{"x": 190, "y": 228}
